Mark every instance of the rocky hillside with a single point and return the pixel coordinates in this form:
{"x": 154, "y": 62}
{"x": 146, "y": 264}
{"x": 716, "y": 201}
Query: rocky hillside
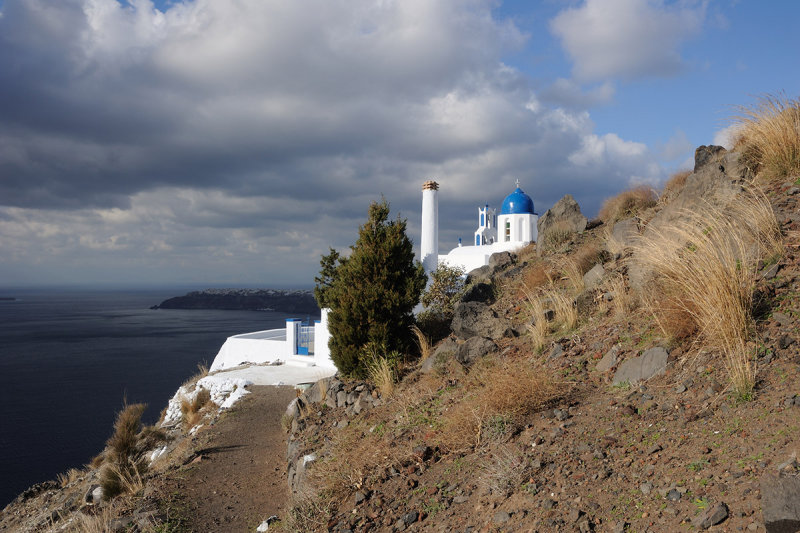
{"x": 582, "y": 388}
{"x": 637, "y": 372}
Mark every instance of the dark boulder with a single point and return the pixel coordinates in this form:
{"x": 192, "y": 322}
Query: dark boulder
{"x": 474, "y": 348}
{"x": 479, "y": 292}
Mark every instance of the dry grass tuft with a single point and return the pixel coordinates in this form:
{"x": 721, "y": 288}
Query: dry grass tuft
{"x": 192, "y": 409}
{"x": 769, "y": 136}
{"x": 706, "y": 264}
{"x": 124, "y": 462}
{"x": 307, "y": 513}
{"x": 503, "y": 394}
{"x": 627, "y": 204}
{"x": 69, "y": 477}
{"x": 556, "y": 235}
{"x": 383, "y": 375}
{"x": 623, "y": 302}
{"x": 423, "y": 342}
{"x": 673, "y": 186}
{"x": 504, "y": 471}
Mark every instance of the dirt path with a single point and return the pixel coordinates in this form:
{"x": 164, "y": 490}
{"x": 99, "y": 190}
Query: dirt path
{"x": 238, "y": 477}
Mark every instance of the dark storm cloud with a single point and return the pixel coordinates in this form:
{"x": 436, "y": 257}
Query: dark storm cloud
{"x": 262, "y": 130}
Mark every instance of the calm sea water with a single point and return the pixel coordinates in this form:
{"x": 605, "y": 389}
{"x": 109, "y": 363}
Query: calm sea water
{"x": 69, "y": 358}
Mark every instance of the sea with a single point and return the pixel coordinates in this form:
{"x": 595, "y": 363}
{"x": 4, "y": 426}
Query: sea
{"x": 71, "y": 358}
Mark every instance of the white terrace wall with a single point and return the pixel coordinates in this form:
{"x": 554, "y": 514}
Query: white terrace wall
{"x": 268, "y": 346}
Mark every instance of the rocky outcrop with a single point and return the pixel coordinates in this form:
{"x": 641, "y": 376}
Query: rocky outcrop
{"x": 565, "y": 213}
{"x": 476, "y": 319}
{"x": 717, "y": 179}
{"x": 285, "y": 301}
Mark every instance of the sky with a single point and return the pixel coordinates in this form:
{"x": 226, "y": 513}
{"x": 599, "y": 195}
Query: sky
{"x": 232, "y": 142}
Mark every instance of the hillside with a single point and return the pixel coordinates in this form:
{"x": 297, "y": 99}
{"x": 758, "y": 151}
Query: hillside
{"x": 618, "y": 412}
{"x": 636, "y": 372}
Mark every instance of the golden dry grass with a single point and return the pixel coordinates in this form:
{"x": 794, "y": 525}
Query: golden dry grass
{"x": 383, "y": 375}
{"x": 69, "y": 477}
{"x": 423, "y": 343}
{"x": 506, "y": 391}
{"x": 627, "y": 204}
{"x": 622, "y": 302}
{"x": 769, "y": 136}
{"x": 556, "y": 235}
{"x": 706, "y": 264}
{"x": 192, "y": 409}
{"x": 673, "y": 186}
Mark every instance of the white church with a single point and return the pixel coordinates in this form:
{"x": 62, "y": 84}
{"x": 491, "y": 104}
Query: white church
{"x": 514, "y": 228}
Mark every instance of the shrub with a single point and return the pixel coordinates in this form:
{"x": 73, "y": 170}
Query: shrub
{"x": 445, "y": 288}
{"x": 706, "y": 263}
{"x": 627, "y": 204}
{"x": 124, "y": 460}
{"x": 769, "y": 136}
{"x": 371, "y": 294}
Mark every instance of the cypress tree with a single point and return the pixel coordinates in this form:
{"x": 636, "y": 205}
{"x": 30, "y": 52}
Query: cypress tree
{"x": 371, "y": 293}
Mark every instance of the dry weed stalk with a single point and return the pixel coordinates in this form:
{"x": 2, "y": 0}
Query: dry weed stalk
{"x": 504, "y": 471}
{"x": 573, "y": 273}
{"x": 622, "y": 302}
{"x": 707, "y": 263}
{"x": 423, "y": 342}
{"x": 769, "y": 135}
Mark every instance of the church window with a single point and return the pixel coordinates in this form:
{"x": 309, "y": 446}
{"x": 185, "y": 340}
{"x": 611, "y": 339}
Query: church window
{"x": 508, "y": 230}
{"x": 477, "y": 240}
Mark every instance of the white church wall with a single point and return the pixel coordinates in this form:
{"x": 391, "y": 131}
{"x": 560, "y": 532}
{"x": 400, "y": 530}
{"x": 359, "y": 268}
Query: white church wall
{"x": 322, "y": 336}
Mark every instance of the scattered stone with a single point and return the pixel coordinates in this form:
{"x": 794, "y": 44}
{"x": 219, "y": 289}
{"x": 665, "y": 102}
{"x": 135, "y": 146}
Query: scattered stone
{"x": 780, "y": 503}
{"x": 501, "y": 517}
{"x": 479, "y": 292}
{"x": 474, "y": 348}
{"x": 472, "y": 319}
{"x": 653, "y": 362}
{"x": 673, "y": 495}
{"x": 711, "y": 516}
{"x": 646, "y": 488}
{"x": 785, "y": 341}
{"x": 593, "y": 278}
{"x": 609, "y": 360}
{"x": 771, "y": 271}
{"x": 782, "y": 319}
{"x": 681, "y": 388}
{"x": 500, "y": 260}
{"x": 654, "y": 449}
{"x": 620, "y": 527}
{"x": 360, "y": 497}
{"x": 556, "y": 351}
{"x": 561, "y": 414}
{"x": 625, "y": 233}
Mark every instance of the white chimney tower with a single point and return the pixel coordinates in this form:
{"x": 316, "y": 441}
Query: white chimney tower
{"x": 429, "y": 240}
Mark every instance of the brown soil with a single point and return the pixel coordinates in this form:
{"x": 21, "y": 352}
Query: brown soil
{"x": 236, "y": 477}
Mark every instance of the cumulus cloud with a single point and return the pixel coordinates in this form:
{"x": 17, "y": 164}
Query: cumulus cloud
{"x": 227, "y": 140}
{"x": 567, "y": 93}
{"x": 627, "y": 38}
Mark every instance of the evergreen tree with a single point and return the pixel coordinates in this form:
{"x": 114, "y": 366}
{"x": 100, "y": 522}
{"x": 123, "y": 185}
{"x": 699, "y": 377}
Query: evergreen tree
{"x": 372, "y": 293}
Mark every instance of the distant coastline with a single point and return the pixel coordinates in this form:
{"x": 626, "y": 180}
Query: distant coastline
{"x": 284, "y": 301}
{"x": 7, "y": 299}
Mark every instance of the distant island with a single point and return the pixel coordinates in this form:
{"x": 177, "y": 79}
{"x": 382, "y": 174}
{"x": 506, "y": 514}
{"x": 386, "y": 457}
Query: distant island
{"x": 284, "y": 301}
{"x": 7, "y": 299}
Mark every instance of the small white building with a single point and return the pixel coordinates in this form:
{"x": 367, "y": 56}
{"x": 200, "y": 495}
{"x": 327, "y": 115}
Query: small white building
{"x": 514, "y": 228}
{"x": 296, "y": 344}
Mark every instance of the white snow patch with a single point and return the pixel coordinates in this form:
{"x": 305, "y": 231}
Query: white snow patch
{"x": 225, "y": 392}
{"x": 158, "y": 452}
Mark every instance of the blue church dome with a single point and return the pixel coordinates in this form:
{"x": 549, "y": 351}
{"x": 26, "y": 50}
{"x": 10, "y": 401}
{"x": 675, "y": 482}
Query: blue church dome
{"x": 517, "y": 203}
